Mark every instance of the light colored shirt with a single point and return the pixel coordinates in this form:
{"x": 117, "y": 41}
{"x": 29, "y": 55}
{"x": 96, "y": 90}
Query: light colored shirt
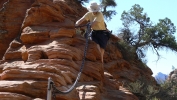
{"x": 89, "y": 16}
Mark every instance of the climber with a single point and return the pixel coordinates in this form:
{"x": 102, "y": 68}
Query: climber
{"x": 99, "y": 32}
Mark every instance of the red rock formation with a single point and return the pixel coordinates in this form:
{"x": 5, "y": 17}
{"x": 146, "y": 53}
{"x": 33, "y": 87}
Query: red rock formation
{"x": 2, "y": 2}
{"x": 49, "y": 47}
{"x": 12, "y": 13}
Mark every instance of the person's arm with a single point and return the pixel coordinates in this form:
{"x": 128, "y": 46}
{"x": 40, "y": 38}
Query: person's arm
{"x": 80, "y": 21}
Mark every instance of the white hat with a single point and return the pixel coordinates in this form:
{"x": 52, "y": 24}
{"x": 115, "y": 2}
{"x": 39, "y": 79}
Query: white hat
{"x": 93, "y": 7}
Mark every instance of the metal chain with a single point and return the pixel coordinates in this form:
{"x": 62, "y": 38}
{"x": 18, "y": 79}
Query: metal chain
{"x": 55, "y": 90}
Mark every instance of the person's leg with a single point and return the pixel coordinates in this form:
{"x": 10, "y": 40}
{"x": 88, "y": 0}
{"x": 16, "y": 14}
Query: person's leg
{"x": 101, "y": 40}
{"x": 101, "y": 50}
{"x": 102, "y": 54}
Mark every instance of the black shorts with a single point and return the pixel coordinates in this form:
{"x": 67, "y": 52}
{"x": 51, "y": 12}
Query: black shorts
{"x": 100, "y": 37}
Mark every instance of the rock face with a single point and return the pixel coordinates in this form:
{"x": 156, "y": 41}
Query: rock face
{"x": 1, "y": 3}
{"x": 173, "y": 76}
{"x": 12, "y": 13}
{"x": 48, "y": 46}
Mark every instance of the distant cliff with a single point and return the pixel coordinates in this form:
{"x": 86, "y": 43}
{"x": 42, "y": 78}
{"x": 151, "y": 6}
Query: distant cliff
{"x": 161, "y": 78}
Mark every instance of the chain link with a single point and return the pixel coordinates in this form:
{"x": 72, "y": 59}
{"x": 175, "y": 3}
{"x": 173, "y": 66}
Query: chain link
{"x": 54, "y": 89}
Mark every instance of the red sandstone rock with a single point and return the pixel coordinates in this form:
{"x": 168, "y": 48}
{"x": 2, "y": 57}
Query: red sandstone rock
{"x": 12, "y": 14}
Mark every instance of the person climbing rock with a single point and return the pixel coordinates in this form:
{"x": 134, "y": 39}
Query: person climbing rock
{"x": 99, "y": 31}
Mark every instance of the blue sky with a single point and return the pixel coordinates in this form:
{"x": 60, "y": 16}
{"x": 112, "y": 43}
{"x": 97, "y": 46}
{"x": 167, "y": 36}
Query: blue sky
{"x": 155, "y": 9}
